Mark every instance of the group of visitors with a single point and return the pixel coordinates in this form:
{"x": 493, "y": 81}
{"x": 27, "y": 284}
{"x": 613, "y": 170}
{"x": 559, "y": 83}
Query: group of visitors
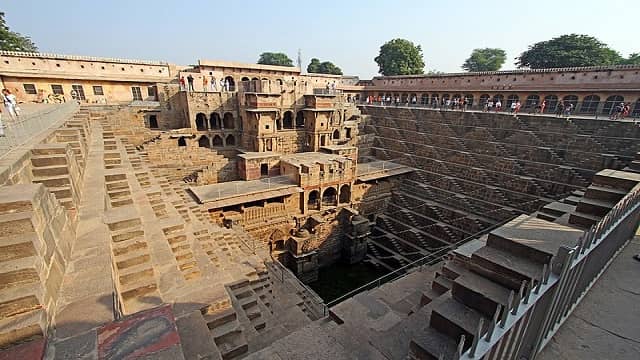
{"x": 11, "y": 106}
{"x": 564, "y": 110}
{"x": 208, "y": 84}
{"x": 620, "y": 111}
{"x": 331, "y": 88}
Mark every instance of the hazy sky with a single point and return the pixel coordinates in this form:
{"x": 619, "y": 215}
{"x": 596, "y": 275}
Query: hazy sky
{"x": 349, "y": 33}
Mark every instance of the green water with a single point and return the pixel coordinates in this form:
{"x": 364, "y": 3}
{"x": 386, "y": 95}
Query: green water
{"x": 338, "y": 279}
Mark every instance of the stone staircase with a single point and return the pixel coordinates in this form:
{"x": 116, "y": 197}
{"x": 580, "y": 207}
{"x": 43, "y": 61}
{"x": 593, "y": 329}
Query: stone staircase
{"x": 468, "y": 290}
{"x": 54, "y": 166}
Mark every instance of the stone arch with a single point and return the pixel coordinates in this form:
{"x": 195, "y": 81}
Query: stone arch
{"x": 204, "y": 142}
{"x": 329, "y": 197}
{"x": 413, "y": 96}
{"x": 246, "y": 84}
{"x": 456, "y": 96}
{"x": 497, "y": 97}
{"x": 404, "y": 98}
{"x": 313, "y": 202}
{"x": 636, "y": 108}
{"x": 230, "y": 140}
{"x": 300, "y": 119}
{"x": 228, "y": 121}
{"x": 201, "y": 121}
{"x": 511, "y": 99}
{"x": 590, "y": 104}
{"x": 287, "y": 120}
{"x": 182, "y": 141}
{"x": 484, "y": 98}
{"x": 277, "y": 240}
{"x": 217, "y": 141}
{"x": 434, "y": 98}
{"x": 345, "y": 194}
{"x": 611, "y": 103}
{"x": 551, "y": 101}
{"x": 214, "y": 121}
{"x": 424, "y": 99}
{"x": 336, "y": 134}
{"x": 444, "y": 97}
{"x": 232, "y": 83}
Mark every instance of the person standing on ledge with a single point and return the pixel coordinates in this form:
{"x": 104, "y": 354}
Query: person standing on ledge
{"x": 204, "y": 83}
{"x": 182, "y": 86}
{"x": 190, "y": 82}
{"x": 214, "y": 84}
{"x": 10, "y": 103}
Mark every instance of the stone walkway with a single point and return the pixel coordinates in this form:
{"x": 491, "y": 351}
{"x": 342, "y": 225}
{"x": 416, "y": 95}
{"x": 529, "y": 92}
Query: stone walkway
{"x": 605, "y": 324}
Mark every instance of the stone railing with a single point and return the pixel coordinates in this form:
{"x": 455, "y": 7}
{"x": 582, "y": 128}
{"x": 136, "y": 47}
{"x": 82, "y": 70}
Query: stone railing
{"x": 536, "y": 311}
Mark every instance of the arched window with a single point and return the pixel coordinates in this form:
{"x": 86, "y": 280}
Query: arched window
{"x": 532, "y": 101}
{"x": 457, "y": 96}
{"x": 204, "y": 142}
{"x": 182, "y": 141}
{"x": 201, "y": 121}
{"x": 551, "y": 101}
{"x": 231, "y": 140}
{"x": 287, "y": 120}
{"x": 424, "y": 100}
{"x": 345, "y": 194}
{"x": 413, "y": 98}
{"x": 511, "y": 99}
{"x": 404, "y": 98}
{"x": 434, "y": 98}
{"x": 228, "y": 121}
{"x": 590, "y": 104}
{"x": 570, "y": 99}
{"x": 336, "y": 134}
{"x": 611, "y": 103}
{"x": 246, "y": 84}
{"x": 232, "y": 83}
{"x": 329, "y": 197}
{"x": 636, "y": 109}
{"x": 214, "y": 121}
{"x": 444, "y": 97}
{"x": 484, "y": 98}
{"x": 498, "y": 97}
{"x": 314, "y": 200}
{"x": 300, "y": 119}
{"x": 217, "y": 141}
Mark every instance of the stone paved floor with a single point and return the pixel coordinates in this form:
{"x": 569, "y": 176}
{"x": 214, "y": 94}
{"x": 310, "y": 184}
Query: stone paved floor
{"x": 606, "y": 323}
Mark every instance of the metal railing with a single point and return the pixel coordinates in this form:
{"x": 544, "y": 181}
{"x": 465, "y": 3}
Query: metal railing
{"x": 403, "y": 271}
{"x": 598, "y": 110}
{"x": 18, "y": 130}
{"x": 535, "y": 312}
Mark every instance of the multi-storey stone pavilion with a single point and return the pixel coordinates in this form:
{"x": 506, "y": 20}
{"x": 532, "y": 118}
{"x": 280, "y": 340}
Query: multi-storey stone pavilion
{"x": 142, "y": 218}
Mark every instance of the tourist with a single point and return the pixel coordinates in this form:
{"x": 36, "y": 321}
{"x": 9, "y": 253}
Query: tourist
{"x": 414, "y": 100}
{"x": 617, "y": 112}
{"x": 560, "y": 109}
{"x": 214, "y": 84}
{"x": 447, "y": 103}
{"x": 518, "y": 106}
{"x": 435, "y": 102}
{"x": 512, "y": 107}
{"x": 489, "y": 105}
{"x": 498, "y": 105}
{"x": 182, "y": 86}
{"x": 568, "y": 109}
{"x": 204, "y": 83}
{"x": 10, "y": 103}
{"x": 485, "y": 106}
{"x": 222, "y": 88}
{"x": 190, "y": 82}
{"x": 227, "y": 85}
{"x": 542, "y": 106}
{"x": 626, "y": 109}
{"x": 465, "y": 104}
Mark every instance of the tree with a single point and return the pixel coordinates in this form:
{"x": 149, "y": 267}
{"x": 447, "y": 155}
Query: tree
{"x": 486, "y": 59}
{"x": 633, "y": 59}
{"x": 400, "y": 57}
{"x": 13, "y": 41}
{"x": 568, "y": 51}
{"x": 270, "y": 58}
{"x": 325, "y": 67}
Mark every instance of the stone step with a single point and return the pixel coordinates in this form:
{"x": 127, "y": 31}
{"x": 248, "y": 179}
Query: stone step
{"x": 572, "y": 200}
{"x": 22, "y": 327}
{"x": 61, "y": 192}
{"x": 50, "y": 171}
{"x": 219, "y": 317}
{"x": 616, "y": 179}
{"x": 430, "y": 344}
{"x": 49, "y": 160}
{"x": 583, "y": 220}
{"x": 594, "y": 206}
{"x": 17, "y": 223}
{"x": 232, "y": 344}
{"x": 441, "y": 284}
{"x": 455, "y": 319}
{"x": 504, "y": 267}
{"x": 51, "y": 182}
{"x": 49, "y": 149}
{"x": 605, "y": 193}
{"x": 479, "y": 293}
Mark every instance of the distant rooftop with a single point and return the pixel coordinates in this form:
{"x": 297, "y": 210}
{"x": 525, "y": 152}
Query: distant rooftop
{"x": 239, "y": 65}
{"x": 80, "y": 58}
